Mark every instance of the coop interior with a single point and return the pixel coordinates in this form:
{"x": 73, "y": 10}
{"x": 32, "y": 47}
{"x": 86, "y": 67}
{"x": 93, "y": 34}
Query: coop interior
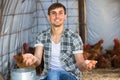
{"x": 96, "y": 21}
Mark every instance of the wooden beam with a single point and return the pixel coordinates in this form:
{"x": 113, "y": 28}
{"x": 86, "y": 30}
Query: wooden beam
{"x": 81, "y": 8}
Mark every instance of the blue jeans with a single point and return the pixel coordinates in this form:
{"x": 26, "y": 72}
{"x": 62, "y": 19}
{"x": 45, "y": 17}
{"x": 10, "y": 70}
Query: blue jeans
{"x": 59, "y": 75}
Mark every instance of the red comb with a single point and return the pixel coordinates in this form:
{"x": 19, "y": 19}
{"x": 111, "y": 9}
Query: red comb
{"x": 101, "y": 41}
{"x": 116, "y": 40}
{"x": 15, "y": 57}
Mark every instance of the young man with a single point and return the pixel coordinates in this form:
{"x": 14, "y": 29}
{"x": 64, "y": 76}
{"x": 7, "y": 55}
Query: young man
{"x": 63, "y": 49}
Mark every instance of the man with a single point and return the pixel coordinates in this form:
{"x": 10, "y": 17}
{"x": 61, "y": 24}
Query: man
{"x": 63, "y": 49}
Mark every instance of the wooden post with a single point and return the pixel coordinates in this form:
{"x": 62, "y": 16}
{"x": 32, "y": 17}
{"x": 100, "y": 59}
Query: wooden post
{"x": 81, "y": 19}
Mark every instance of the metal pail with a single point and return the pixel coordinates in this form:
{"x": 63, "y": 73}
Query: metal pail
{"x": 23, "y": 74}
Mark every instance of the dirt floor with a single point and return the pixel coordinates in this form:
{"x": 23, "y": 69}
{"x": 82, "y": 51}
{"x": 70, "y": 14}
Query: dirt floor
{"x": 102, "y": 74}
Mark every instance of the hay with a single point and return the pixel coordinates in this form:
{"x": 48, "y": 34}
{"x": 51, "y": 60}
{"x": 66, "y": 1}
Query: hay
{"x": 102, "y": 74}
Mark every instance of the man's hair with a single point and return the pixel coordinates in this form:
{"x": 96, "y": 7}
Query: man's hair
{"x": 56, "y": 5}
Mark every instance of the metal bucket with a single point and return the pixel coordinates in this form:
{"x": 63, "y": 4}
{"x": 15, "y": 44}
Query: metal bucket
{"x": 23, "y": 74}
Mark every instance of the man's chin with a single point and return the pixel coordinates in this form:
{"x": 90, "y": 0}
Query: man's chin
{"x": 57, "y": 25}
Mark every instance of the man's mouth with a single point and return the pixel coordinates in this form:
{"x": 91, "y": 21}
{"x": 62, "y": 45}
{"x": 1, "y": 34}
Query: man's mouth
{"x": 57, "y": 20}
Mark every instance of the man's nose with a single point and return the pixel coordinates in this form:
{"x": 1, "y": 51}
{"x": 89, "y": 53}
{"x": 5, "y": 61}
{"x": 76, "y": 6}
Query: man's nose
{"x": 57, "y": 15}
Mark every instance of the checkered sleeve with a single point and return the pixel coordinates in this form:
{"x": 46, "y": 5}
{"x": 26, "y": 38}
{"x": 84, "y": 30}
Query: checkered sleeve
{"x": 78, "y": 44}
{"x": 39, "y": 39}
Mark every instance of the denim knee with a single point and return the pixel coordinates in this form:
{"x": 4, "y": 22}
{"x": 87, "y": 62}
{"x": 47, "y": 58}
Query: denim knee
{"x": 53, "y": 75}
{"x": 59, "y": 75}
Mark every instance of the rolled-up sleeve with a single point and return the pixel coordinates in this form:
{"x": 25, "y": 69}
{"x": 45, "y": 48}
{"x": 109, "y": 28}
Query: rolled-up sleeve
{"x": 78, "y": 44}
{"x": 39, "y": 40}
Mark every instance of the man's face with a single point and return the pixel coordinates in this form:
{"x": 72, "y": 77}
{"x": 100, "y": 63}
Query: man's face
{"x": 57, "y": 17}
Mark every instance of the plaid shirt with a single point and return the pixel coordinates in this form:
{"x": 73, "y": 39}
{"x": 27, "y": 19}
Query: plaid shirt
{"x": 70, "y": 42}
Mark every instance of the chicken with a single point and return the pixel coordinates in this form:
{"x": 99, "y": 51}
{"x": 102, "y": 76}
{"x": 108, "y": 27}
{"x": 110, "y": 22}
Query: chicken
{"x": 31, "y": 50}
{"x": 24, "y": 48}
{"x": 19, "y": 58}
{"x": 116, "y": 46}
{"x": 116, "y": 61}
{"x": 27, "y": 49}
{"x": 103, "y": 62}
{"x": 86, "y": 48}
{"x": 116, "y": 43}
{"x": 92, "y": 51}
{"x": 116, "y": 53}
{"x": 19, "y": 61}
{"x": 20, "y": 64}
{"x": 97, "y": 48}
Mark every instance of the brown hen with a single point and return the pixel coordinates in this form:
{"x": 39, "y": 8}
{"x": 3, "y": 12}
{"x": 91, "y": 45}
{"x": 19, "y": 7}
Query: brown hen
{"x": 116, "y": 51}
{"x": 93, "y": 51}
{"x": 19, "y": 61}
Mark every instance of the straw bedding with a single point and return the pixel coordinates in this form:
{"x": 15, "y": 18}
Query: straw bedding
{"x": 102, "y": 74}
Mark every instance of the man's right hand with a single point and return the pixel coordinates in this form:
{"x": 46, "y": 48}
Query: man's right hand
{"x": 29, "y": 59}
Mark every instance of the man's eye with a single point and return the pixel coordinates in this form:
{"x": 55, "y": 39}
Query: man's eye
{"x": 61, "y": 13}
{"x": 53, "y": 13}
